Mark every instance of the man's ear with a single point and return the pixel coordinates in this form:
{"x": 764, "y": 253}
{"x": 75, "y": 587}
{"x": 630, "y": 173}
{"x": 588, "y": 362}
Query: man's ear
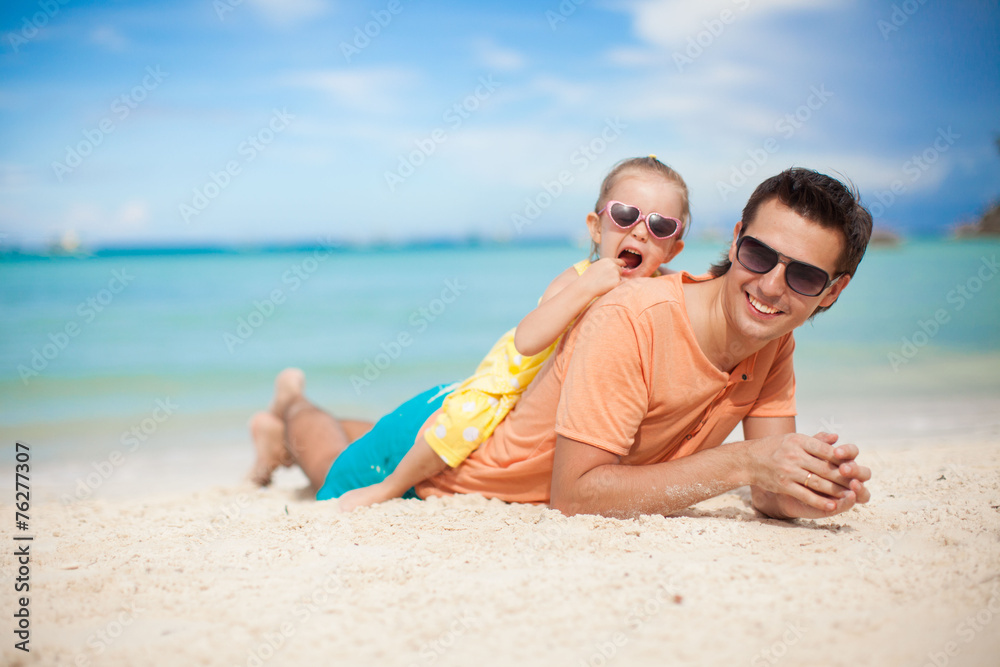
{"x": 835, "y": 291}
{"x": 594, "y": 225}
{"x": 736, "y": 237}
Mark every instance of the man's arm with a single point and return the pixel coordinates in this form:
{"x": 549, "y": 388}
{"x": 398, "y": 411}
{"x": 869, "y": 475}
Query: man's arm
{"x": 590, "y": 480}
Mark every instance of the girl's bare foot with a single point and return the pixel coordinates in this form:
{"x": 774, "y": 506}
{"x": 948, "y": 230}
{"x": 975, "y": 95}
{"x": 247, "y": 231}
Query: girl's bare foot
{"x": 288, "y": 387}
{"x": 363, "y": 497}
{"x": 269, "y": 441}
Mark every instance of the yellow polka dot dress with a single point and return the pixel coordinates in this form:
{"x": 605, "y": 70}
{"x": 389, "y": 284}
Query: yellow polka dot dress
{"x": 471, "y": 412}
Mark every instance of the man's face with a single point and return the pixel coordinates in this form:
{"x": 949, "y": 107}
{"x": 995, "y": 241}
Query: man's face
{"x": 763, "y": 307}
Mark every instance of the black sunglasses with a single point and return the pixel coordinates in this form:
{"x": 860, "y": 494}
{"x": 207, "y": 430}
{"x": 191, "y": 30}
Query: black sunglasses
{"x": 806, "y": 279}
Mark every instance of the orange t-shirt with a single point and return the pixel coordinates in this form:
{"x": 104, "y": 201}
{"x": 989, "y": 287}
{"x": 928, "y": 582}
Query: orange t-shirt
{"x": 628, "y": 378}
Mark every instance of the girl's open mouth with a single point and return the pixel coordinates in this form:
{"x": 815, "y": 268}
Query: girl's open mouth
{"x": 631, "y": 257}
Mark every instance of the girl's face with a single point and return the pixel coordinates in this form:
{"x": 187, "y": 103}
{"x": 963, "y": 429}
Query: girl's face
{"x": 642, "y": 252}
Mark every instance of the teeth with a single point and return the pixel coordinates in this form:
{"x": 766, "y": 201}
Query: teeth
{"x": 761, "y": 307}
{"x": 632, "y": 258}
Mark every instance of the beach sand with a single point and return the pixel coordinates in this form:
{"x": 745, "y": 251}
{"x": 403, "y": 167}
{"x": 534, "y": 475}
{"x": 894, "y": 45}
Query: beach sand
{"x": 227, "y": 574}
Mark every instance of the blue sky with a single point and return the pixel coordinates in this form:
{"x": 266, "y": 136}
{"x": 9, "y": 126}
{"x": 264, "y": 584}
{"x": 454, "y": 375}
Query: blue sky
{"x": 261, "y": 120}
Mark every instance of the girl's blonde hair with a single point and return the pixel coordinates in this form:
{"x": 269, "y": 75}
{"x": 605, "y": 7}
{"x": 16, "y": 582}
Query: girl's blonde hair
{"x": 650, "y": 165}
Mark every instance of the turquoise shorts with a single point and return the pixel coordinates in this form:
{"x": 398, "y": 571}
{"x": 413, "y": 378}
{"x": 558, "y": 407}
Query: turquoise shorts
{"x": 372, "y": 457}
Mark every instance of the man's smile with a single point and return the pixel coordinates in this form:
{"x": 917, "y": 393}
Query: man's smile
{"x": 761, "y": 307}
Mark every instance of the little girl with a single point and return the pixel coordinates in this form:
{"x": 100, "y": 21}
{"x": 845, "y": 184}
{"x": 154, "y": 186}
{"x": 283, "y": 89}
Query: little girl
{"x": 636, "y": 226}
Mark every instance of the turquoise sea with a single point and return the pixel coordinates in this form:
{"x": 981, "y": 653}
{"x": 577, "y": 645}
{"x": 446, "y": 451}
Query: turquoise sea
{"x": 93, "y": 349}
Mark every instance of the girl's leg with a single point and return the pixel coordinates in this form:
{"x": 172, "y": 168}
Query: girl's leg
{"x": 419, "y": 463}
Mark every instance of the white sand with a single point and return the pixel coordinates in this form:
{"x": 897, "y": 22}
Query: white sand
{"x": 239, "y": 576}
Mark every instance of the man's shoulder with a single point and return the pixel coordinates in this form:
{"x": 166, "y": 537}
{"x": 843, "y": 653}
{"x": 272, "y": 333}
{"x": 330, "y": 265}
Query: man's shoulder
{"x": 640, "y": 294}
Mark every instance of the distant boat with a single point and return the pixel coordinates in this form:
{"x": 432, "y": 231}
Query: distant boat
{"x": 67, "y": 245}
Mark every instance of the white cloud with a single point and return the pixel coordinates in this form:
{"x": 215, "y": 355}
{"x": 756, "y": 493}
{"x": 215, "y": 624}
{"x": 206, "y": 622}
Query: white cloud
{"x": 109, "y": 38}
{"x": 722, "y": 103}
{"x": 880, "y": 173}
{"x": 133, "y": 215}
{"x": 718, "y": 192}
{"x": 716, "y": 45}
{"x": 289, "y": 13}
{"x": 83, "y": 215}
{"x": 92, "y": 221}
{"x": 370, "y": 89}
{"x": 518, "y": 156}
{"x": 669, "y": 23}
{"x": 16, "y": 176}
{"x": 497, "y": 58}
{"x": 631, "y": 56}
{"x": 565, "y": 92}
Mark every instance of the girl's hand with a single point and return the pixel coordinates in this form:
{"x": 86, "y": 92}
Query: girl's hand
{"x": 603, "y": 275}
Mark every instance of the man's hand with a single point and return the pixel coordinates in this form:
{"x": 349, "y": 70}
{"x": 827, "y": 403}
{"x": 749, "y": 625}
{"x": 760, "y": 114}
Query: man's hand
{"x": 796, "y": 476}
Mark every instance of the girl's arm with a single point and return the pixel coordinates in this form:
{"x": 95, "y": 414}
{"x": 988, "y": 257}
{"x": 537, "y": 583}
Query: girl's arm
{"x": 562, "y": 301}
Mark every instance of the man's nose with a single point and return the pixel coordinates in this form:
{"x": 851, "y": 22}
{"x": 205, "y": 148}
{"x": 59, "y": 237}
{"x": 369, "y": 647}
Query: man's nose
{"x": 773, "y": 282}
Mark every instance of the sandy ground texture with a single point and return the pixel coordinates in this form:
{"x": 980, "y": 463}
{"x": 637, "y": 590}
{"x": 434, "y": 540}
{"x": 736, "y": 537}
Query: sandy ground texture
{"x": 240, "y": 576}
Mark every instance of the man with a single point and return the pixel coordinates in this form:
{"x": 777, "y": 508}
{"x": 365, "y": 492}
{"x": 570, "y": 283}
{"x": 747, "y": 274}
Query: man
{"x": 629, "y": 415}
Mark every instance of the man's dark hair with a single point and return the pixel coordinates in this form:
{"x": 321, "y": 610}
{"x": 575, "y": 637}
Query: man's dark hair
{"x": 820, "y": 199}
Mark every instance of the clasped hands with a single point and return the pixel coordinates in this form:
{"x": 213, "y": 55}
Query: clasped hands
{"x": 797, "y": 476}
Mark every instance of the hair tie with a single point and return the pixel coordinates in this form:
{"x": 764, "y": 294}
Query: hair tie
{"x": 652, "y": 156}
